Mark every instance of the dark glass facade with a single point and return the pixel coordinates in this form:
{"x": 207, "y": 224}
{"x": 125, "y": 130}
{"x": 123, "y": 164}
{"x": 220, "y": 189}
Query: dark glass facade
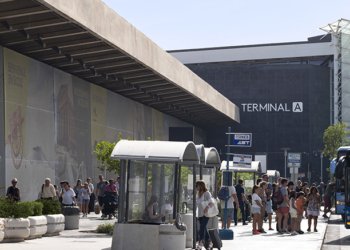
{"x": 265, "y": 95}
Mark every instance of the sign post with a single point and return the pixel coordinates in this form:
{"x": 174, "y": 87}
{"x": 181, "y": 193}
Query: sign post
{"x": 294, "y": 160}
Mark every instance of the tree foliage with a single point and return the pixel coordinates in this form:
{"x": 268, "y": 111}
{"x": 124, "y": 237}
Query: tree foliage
{"x": 333, "y": 138}
{"x": 103, "y": 152}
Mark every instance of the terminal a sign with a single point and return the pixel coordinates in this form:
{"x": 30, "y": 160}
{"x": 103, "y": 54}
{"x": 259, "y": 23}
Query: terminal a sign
{"x": 296, "y": 107}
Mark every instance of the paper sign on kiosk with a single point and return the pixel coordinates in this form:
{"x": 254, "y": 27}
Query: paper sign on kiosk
{"x": 243, "y": 161}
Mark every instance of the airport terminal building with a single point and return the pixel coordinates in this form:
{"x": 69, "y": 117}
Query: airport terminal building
{"x": 287, "y": 93}
{"x": 74, "y": 73}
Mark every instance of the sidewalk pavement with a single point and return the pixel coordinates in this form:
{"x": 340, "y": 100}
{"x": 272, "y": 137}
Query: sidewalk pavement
{"x": 244, "y": 239}
{"x": 337, "y": 236}
{"x": 70, "y": 239}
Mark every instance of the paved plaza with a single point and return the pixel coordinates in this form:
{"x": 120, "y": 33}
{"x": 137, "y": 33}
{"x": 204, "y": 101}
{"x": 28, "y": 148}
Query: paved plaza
{"x": 81, "y": 239}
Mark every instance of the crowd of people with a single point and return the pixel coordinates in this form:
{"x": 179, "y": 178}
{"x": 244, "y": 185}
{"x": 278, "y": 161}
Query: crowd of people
{"x": 290, "y": 202}
{"x": 82, "y": 194}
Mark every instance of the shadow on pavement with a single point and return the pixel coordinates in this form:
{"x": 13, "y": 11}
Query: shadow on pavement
{"x": 345, "y": 241}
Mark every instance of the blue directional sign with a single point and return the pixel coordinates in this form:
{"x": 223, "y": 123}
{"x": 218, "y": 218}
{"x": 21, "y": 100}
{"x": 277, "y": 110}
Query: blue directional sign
{"x": 242, "y": 140}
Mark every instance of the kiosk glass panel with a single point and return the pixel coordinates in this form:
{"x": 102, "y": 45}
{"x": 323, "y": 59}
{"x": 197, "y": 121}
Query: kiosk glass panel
{"x": 150, "y": 182}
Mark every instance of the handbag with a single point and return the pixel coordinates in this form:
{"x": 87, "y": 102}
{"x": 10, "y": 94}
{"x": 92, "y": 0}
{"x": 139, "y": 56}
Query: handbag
{"x": 179, "y": 224}
{"x": 213, "y": 210}
{"x": 97, "y": 208}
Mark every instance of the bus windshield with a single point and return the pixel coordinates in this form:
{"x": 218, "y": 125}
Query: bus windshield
{"x": 341, "y": 153}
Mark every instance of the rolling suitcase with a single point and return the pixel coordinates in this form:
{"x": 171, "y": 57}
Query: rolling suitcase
{"x": 215, "y": 237}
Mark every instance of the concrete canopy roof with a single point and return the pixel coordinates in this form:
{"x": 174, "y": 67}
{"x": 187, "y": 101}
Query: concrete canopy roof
{"x": 156, "y": 151}
{"x": 200, "y": 152}
{"x": 212, "y": 157}
{"x": 89, "y": 40}
{"x": 209, "y": 157}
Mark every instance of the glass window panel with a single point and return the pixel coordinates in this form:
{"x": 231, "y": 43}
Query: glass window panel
{"x": 147, "y": 183}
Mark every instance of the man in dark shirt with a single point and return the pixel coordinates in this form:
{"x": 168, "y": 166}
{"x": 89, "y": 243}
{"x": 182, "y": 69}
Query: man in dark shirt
{"x": 241, "y": 197}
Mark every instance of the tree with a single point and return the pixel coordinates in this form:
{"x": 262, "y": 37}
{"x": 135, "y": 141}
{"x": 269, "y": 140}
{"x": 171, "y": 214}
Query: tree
{"x": 103, "y": 152}
{"x": 333, "y": 138}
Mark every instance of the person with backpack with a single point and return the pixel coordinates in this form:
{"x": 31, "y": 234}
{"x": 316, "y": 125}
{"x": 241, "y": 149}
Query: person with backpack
{"x": 231, "y": 196}
{"x": 283, "y": 206}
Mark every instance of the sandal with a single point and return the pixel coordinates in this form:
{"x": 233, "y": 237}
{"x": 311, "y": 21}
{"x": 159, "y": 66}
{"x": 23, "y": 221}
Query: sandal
{"x": 199, "y": 247}
{"x": 210, "y": 246}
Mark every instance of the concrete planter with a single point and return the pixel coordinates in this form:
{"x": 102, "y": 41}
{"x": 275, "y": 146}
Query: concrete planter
{"x": 38, "y": 227}
{"x": 2, "y": 234}
{"x": 55, "y": 224}
{"x": 170, "y": 238}
{"x": 16, "y": 230}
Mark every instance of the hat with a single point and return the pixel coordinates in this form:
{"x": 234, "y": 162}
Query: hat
{"x": 48, "y": 179}
{"x": 64, "y": 182}
{"x": 14, "y": 180}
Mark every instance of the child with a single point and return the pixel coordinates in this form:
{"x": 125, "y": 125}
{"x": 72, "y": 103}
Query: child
{"x": 293, "y": 211}
{"x": 300, "y": 206}
{"x": 256, "y": 208}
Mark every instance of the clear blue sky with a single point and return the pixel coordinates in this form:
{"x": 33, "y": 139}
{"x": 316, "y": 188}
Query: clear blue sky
{"x": 198, "y": 24}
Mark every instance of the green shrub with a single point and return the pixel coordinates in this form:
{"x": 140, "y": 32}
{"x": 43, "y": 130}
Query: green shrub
{"x": 11, "y": 209}
{"x": 105, "y": 228}
{"x": 38, "y": 208}
{"x": 50, "y": 206}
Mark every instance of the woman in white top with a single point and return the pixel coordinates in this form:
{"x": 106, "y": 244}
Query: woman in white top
{"x": 203, "y": 195}
{"x": 68, "y": 195}
{"x": 85, "y": 192}
{"x": 293, "y": 211}
{"x": 256, "y": 208}
{"x": 167, "y": 209}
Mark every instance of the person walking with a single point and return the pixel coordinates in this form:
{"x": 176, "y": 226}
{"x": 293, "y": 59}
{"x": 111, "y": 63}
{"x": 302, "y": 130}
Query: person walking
{"x": 229, "y": 216}
{"x": 85, "y": 193}
{"x": 241, "y": 197}
{"x": 78, "y": 192}
{"x": 256, "y": 208}
{"x": 321, "y": 190}
{"x": 313, "y": 209}
{"x": 100, "y": 190}
{"x": 299, "y": 187}
{"x": 203, "y": 195}
{"x": 293, "y": 210}
{"x": 117, "y": 184}
{"x": 67, "y": 194}
{"x": 262, "y": 195}
{"x": 306, "y": 190}
{"x": 13, "y": 192}
{"x": 92, "y": 195}
{"x": 48, "y": 191}
{"x": 283, "y": 208}
{"x": 300, "y": 206}
{"x": 327, "y": 198}
{"x": 269, "y": 192}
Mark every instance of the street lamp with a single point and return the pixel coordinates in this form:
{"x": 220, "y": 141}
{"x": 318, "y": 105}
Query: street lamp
{"x": 321, "y": 156}
{"x": 285, "y": 160}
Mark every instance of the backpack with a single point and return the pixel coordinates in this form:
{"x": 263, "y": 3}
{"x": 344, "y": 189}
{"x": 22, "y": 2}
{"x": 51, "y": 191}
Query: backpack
{"x": 222, "y": 193}
{"x": 277, "y": 197}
